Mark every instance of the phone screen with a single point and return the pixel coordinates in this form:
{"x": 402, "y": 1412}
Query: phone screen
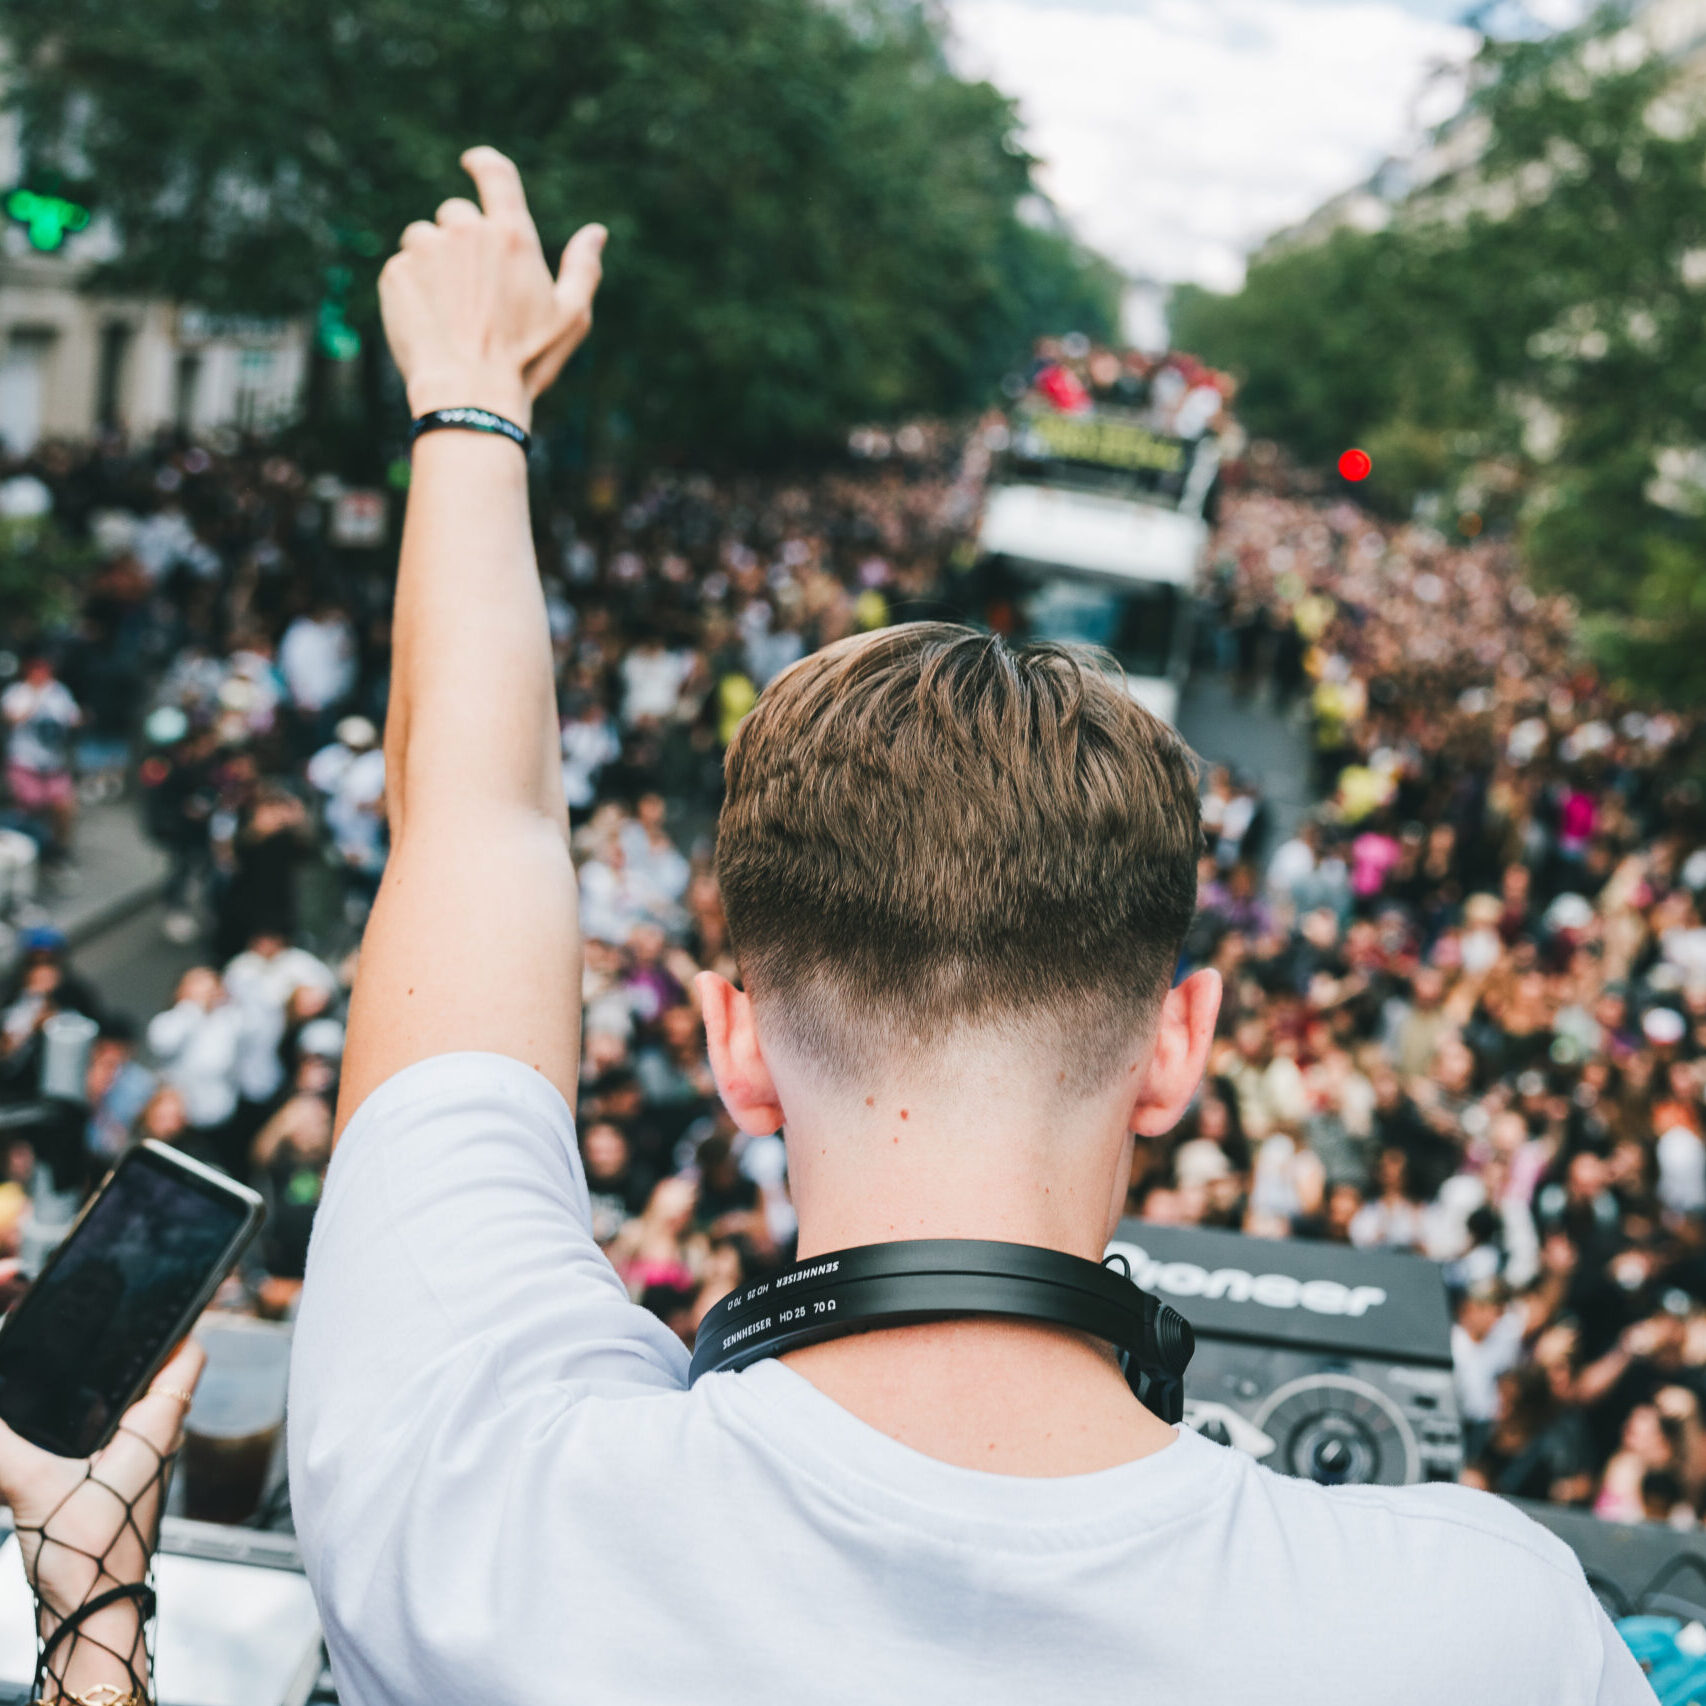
{"x": 116, "y": 1295}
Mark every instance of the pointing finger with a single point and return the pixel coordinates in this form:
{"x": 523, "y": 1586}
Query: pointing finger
{"x": 499, "y": 183}
{"x": 582, "y": 268}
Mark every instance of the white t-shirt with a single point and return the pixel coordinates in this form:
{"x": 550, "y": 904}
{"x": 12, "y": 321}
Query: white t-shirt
{"x": 354, "y": 784}
{"x": 166, "y": 538}
{"x": 1682, "y": 1170}
{"x": 1294, "y": 861}
{"x": 661, "y": 864}
{"x": 652, "y": 683}
{"x": 614, "y": 900}
{"x": 41, "y": 720}
{"x": 587, "y": 748}
{"x": 198, "y": 1052}
{"x": 261, "y": 990}
{"x": 505, "y": 1493}
{"x": 317, "y": 660}
{"x": 1478, "y": 1363}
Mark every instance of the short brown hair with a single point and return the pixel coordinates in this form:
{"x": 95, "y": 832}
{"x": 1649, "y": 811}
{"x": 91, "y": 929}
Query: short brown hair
{"x": 927, "y": 827}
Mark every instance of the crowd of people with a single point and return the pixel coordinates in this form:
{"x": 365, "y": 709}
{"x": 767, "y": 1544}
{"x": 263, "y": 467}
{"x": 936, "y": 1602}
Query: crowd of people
{"x": 1171, "y": 392}
{"x": 1465, "y": 997}
{"x": 224, "y": 629}
{"x": 1466, "y": 1000}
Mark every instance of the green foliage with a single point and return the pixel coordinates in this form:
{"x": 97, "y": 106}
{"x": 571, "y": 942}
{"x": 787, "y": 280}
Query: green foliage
{"x": 1300, "y": 335}
{"x": 1051, "y": 284}
{"x": 43, "y": 575}
{"x": 1352, "y": 341}
{"x": 812, "y": 221}
{"x": 1408, "y": 460}
{"x": 1558, "y": 276}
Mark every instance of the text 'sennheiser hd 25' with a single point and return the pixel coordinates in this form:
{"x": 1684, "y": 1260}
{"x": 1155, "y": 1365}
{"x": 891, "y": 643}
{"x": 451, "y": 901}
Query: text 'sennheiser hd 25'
{"x": 942, "y": 1279}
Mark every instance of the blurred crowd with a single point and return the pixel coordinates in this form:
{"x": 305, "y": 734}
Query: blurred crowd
{"x": 232, "y": 626}
{"x": 1466, "y": 996}
{"x": 1466, "y": 999}
{"x": 1171, "y": 392}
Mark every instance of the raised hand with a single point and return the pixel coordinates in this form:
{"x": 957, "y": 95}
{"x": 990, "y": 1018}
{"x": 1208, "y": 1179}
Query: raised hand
{"x": 472, "y": 312}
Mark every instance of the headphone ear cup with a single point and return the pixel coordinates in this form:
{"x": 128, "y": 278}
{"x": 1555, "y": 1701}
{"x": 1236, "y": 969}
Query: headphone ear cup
{"x": 1175, "y": 1343}
{"x": 1161, "y": 1394}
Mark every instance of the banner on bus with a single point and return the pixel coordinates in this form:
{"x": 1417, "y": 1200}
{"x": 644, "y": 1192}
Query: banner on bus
{"x": 1100, "y": 440}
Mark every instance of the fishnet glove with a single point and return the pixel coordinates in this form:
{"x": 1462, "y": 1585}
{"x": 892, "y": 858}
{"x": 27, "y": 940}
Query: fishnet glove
{"x": 87, "y": 1528}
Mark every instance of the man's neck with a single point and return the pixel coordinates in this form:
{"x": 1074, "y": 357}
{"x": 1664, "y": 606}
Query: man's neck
{"x": 1005, "y": 1397}
{"x": 999, "y": 1163}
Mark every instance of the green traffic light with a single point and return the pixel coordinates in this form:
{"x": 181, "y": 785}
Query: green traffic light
{"x": 338, "y": 339}
{"x": 47, "y": 219}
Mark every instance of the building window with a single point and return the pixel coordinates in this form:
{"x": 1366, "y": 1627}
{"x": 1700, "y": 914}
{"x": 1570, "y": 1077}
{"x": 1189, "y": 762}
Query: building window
{"x": 254, "y": 383}
{"x": 186, "y": 382}
{"x": 109, "y": 374}
{"x": 23, "y": 386}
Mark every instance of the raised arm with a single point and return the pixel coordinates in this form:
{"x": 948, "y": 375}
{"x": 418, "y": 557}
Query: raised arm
{"x": 474, "y": 942}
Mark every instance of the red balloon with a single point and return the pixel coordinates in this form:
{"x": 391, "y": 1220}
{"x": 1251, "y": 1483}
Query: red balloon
{"x": 1355, "y": 464}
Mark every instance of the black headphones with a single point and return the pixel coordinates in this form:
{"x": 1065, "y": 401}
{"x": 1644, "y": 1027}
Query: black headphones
{"x": 941, "y": 1279}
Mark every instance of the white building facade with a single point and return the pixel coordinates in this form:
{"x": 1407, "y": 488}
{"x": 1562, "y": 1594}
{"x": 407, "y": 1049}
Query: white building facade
{"x": 1446, "y": 156}
{"x": 73, "y": 364}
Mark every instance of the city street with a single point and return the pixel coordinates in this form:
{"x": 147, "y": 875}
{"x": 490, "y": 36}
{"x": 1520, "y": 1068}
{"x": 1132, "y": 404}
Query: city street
{"x": 134, "y": 966}
{"x": 1258, "y": 742}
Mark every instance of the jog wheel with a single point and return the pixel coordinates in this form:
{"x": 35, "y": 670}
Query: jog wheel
{"x": 1337, "y": 1430}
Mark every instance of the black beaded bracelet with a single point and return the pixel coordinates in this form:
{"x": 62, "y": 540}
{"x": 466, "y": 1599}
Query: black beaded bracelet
{"x": 470, "y": 420}
{"x": 141, "y": 1592}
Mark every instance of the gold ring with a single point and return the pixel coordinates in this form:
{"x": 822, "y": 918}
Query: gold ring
{"x": 183, "y": 1397}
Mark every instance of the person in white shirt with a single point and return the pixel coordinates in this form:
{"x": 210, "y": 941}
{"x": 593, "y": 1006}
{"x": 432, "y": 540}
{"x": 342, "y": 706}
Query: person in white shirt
{"x": 1293, "y": 864}
{"x": 1393, "y": 1218}
{"x": 616, "y": 893}
{"x": 197, "y": 1041}
{"x": 1681, "y": 1157}
{"x": 958, "y": 878}
{"x": 317, "y": 659}
{"x": 1198, "y": 411}
{"x": 652, "y": 680}
{"x": 768, "y": 649}
{"x": 260, "y": 981}
{"x": 165, "y": 539}
{"x": 349, "y": 774}
{"x": 41, "y": 719}
{"x": 650, "y": 853}
{"x": 251, "y": 663}
{"x": 590, "y": 742}
{"x": 1486, "y": 1340}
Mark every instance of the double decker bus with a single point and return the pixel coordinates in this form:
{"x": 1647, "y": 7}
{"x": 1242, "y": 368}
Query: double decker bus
{"x": 1094, "y": 532}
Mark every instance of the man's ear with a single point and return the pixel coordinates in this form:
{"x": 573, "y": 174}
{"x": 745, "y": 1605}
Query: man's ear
{"x": 1183, "y": 1036}
{"x": 737, "y": 1061}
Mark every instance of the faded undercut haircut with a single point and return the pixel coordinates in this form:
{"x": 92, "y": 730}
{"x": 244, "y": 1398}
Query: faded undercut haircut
{"x": 928, "y": 828}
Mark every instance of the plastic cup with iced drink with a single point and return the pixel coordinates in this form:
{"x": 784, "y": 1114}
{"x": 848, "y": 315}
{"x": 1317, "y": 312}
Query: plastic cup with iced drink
{"x": 234, "y": 1426}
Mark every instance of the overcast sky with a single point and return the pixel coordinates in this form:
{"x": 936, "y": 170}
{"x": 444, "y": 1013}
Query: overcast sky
{"x": 1176, "y": 134}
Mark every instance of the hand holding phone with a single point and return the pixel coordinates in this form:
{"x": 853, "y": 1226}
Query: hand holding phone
{"x": 88, "y": 1524}
{"x": 93, "y": 1400}
{"x": 124, "y": 1287}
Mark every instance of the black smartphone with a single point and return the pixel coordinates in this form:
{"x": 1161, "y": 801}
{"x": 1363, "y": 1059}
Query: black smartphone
{"x": 137, "y": 1267}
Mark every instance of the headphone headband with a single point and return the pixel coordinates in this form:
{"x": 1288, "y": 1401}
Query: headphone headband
{"x": 936, "y": 1279}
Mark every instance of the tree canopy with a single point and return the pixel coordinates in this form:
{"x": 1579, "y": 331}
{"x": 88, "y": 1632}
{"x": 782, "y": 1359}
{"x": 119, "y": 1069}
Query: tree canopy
{"x": 812, "y": 220}
{"x": 1524, "y": 338}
